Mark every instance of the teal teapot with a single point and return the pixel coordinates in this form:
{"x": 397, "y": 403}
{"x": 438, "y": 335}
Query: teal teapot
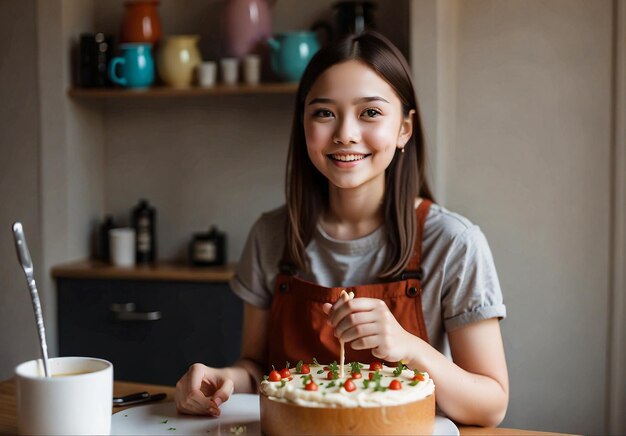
{"x": 291, "y": 53}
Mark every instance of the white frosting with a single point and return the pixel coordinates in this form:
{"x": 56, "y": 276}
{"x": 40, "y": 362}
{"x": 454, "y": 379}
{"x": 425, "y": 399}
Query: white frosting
{"x": 335, "y": 396}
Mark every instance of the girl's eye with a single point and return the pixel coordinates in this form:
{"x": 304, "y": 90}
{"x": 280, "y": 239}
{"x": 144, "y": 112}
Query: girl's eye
{"x": 322, "y": 113}
{"x": 371, "y": 113}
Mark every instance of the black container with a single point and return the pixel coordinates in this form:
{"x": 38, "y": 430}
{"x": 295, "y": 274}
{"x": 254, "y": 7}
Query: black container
{"x": 95, "y": 52}
{"x": 208, "y": 249}
{"x": 103, "y": 238}
{"x": 354, "y": 16}
{"x": 350, "y": 16}
{"x": 144, "y": 222}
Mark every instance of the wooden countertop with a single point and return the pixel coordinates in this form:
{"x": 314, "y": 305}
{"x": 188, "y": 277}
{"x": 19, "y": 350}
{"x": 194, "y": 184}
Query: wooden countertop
{"x": 8, "y": 414}
{"x": 90, "y": 269}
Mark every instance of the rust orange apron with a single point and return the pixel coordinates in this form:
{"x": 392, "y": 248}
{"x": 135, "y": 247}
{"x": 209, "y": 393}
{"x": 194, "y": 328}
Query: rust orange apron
{"x": 297, "y": 325}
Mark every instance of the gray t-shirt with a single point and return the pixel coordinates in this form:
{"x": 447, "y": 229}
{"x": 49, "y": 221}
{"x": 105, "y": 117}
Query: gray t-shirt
{"x": 460, "y": 284}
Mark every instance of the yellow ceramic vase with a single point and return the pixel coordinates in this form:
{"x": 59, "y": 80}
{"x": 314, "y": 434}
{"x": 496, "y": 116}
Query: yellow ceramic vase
{"x": 178, "y": 59}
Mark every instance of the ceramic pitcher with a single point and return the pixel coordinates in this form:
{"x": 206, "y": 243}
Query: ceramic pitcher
{"x": 141, "y": 22}
{"x": 134, "y": 68}
{"x": 291, "y": 53}
{"x": 177, "y": 60}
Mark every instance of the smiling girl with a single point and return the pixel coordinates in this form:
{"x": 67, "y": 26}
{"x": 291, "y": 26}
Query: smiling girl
{"x": 360, "y": 218}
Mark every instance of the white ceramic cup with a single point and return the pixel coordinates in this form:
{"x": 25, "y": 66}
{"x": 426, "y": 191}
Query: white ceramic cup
{"x": 77, "y": 399}
{"x": 122, "y": 246}
{"x": 207, "y": 74}
{"x": 252, "y": 69}
{"x": 230, "y": 70}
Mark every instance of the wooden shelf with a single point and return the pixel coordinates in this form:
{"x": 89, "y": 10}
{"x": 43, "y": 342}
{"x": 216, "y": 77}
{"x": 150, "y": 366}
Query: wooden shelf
{"x": 89, "y": 269}
{"x": 164, "y": 91}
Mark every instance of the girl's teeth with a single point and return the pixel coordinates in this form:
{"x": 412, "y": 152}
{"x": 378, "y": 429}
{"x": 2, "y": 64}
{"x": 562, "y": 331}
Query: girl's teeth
{"x": 348, "y": 157}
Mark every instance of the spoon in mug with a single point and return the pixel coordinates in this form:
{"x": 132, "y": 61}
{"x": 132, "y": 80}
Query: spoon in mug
{"x": 27, "y": 265}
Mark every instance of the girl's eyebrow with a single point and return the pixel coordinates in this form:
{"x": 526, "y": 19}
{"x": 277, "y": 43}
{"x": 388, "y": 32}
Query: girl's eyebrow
{"x": 324, "y": 100}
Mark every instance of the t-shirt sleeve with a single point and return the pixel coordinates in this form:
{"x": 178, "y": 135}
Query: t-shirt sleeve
{"x": 471, "y": 289}
{"x": 249, "y": 281}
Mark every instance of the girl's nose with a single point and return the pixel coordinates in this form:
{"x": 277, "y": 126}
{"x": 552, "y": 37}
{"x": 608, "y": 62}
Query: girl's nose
{"x": 347, "y": 132}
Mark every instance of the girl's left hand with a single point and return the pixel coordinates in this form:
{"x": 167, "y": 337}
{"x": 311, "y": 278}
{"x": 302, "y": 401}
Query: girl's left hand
{"x": 369, "y": 324}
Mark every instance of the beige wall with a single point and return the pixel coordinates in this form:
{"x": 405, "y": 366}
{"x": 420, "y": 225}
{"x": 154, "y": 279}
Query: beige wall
{"x": 521, "y": 121}
{"x": 19, "y": 179}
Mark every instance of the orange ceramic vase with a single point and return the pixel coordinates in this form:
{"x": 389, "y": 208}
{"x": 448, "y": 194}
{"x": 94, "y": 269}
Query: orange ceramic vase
{"x": 141, "y": 22}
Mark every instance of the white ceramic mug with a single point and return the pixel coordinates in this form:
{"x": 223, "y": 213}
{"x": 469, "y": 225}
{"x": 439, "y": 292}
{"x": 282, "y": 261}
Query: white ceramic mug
{"x": 252, "y": 69}
{"x": 77, "y": 399}
{"x": 230, "y": 70}
{"x": 207, "y": 73}
{"x": 122, "y": 246}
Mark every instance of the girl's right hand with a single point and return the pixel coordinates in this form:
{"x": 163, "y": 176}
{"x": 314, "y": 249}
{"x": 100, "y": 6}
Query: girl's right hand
{"x": 202, "y": 390}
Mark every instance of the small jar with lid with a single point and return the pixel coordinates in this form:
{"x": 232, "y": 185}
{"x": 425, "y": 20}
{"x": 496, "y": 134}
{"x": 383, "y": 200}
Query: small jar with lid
{"x": 208, "y": 249}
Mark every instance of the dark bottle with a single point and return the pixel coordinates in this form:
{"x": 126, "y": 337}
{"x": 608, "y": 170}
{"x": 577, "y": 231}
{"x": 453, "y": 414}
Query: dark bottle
{"x": 144, "y": 223}
{"x": 95, "y": 52}
{"x": 208, "y": 249}
{"x": 103, "y": 238}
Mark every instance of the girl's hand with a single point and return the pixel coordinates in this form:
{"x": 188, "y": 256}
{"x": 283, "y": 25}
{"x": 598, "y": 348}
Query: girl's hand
{"x": 202, "y": 389}
{"x": 367, "y": 323}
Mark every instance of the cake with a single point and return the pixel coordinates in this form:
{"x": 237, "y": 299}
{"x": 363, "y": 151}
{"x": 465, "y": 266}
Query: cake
{"x": 369, "y": 399}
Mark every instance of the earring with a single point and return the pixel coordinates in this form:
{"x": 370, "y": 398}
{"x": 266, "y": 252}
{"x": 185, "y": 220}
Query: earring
{"x": 402, "y": 150}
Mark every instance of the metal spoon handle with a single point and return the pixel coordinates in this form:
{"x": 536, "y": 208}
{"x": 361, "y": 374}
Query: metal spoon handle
{"x": 27, "y": 265}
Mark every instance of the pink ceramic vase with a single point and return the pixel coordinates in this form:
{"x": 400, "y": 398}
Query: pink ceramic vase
{"x": 247, "y": 23}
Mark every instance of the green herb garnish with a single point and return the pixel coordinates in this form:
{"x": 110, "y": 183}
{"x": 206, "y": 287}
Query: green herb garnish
{"x": 299, "y": 366}
{"x": 401, "y": 367}
{"x": 315, "y": 362}
{"x": 282, "y": 383}
{"x": 306, "y": 379}
{"x": 334, "y": 369}
{"x": 320, "y": 371}
{"x": 355, "y": 367}
{"x": 376, "y": 378}
{"x": 331, "y": 384}
{"x": 287, "y": 364}
{"x": 164, "y": 422}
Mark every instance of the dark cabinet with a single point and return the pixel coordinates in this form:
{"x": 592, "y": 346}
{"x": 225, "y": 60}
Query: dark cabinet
{"x": 150, "y": 330}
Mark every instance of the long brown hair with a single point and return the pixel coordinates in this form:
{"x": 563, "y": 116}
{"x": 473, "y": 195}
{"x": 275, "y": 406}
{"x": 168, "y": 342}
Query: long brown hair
{"x": 307, "y": 189}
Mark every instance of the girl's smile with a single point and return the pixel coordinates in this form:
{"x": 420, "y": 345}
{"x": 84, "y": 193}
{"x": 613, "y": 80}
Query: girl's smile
{"x": 347, "y": 160}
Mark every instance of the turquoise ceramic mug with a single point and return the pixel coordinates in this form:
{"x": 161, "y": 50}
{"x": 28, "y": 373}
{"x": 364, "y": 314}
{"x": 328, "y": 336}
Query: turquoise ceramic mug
{"x": 291, "y": 53}
{"x": 135, "y": 67}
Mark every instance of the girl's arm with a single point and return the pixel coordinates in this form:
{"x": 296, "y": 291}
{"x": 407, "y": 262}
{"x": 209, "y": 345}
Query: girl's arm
{"x": 203, "y": 389}
{"x": 473, "y": 389}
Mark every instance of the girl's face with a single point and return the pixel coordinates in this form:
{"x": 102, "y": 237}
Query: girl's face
{"x": 353, "y": 124}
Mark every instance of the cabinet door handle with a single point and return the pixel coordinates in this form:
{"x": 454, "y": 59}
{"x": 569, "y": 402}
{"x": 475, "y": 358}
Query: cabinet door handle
{"x": 126, "y": 312}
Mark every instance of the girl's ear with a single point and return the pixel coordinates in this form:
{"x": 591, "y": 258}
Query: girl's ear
{"x": 406, "y": 129}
